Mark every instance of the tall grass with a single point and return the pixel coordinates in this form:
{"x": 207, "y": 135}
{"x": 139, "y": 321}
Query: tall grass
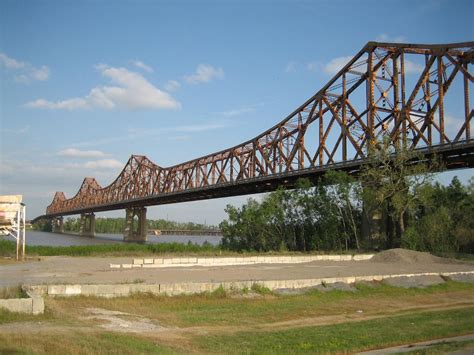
{"x": 8, "y": 248}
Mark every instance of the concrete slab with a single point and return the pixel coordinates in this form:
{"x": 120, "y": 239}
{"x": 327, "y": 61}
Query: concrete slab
{"x": 414, "y": 281}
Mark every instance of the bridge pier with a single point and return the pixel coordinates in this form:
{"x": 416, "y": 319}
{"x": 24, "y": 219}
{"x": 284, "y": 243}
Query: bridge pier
{"x": 87, "y": 225}
{"x": 136, "y": 228}
{"x": 57, "y": 225}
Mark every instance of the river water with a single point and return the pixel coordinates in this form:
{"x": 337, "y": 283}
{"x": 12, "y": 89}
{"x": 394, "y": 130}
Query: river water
{"x": 54, "y": 239}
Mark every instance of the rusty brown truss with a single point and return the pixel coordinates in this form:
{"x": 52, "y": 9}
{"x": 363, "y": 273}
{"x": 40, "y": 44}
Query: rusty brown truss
{"x": 418, "y": 95}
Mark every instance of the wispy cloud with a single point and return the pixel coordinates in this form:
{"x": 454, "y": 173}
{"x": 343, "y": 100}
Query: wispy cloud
{"x": 24, "y": 71}
{"x": 291, "y": 67}
{"x": 336, "y": 64}
{"x": 132, "y": 91}
{"x": 204, "y": 74}
{"x": 387, "y": 38}
{"x": 100, "y": 164}
{"x": 77, "y": 153}
{"x": 240, "y": 111}
{"x": 140, "y": 133}
{"x": 172, "y": 85}
{"x": 199, "y": 127}
{"x": 21, "y": 130}
{"x": 412, "y": 67}
{"x": 141, "y": 65}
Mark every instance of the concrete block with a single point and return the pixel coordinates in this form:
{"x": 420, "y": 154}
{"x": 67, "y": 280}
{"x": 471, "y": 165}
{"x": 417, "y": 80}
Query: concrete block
{"x": 136, "y": 266}
{"x": 159, "y": 261}
{"x": 115, "y": 266}
{"x": 37, "y": 305}
{"x": 141, "y": 288}
{"x": 150, "y": 266}
{"x": 137, "y": 261}
{"x": 360, "y": 257}
{"x": 89, "y": 290}
{"x": 20, "y": 305}
{"x": 72, "y": 290}
{"x": 167, "y": 261}
{"x": 147, "y": 261}
{"x": 126, "y": 266}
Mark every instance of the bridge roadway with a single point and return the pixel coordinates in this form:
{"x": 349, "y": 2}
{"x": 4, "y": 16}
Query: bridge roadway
{"x": 455, "y": 156}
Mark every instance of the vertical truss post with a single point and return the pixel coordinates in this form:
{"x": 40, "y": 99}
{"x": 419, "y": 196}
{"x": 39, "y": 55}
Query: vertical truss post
{"x": 404, "y": 122}
{"x": 441, "y": 98}
{"x": 344, "y": 118}
{"x": 321, "y": 133}
{"x": 467, "y": 110}
{"x": 396, "y": 98}
{"x": 370, "y": 99}
{"x": 429, "y": 117}
{"x": 300, "y": 143}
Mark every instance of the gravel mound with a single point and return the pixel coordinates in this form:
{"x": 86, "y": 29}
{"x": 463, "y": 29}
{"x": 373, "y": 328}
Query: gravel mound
{"x": 406, "y": 256}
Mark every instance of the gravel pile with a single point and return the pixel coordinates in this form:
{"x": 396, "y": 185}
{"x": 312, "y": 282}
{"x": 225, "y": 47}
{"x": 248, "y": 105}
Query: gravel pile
{"x": 406, "y": 256}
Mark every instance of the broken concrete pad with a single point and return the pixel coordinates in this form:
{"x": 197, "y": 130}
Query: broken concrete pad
{"x": 414, "y": 281}
{"x": 462, "y": 278}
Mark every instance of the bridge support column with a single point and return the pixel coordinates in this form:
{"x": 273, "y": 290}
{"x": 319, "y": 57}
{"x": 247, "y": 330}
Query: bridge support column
{"x": 136, "y": 228}
{"x": 57, "y": 225}
{"x": 87, "y": 225}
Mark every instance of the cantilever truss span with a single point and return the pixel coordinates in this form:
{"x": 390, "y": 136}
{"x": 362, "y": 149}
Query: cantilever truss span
{"x": 417, "y": 95}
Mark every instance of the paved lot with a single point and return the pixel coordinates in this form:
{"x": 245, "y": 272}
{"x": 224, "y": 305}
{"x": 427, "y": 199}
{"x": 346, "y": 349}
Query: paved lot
{"x": 92, "y": 270}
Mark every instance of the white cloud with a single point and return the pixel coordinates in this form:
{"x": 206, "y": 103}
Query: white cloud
{"x": 25, "y": 71}
{"x": 387, "y": 38}
{"x": 22, "y": 130}
{"x": 291, "y": 67}
{"x": 240, "y": 111}
{"x": 103, "y": 164}
{"x": 199, "y": 127}
{"x": 132, "y": 92}
{"x": 180, "y": 138}
{"x": 412, "y": 67}
{"x": 69, "y": 104}
{"x": 172, "y": 85}
{"x": 336, "y": 64}
{"x": 204, "y": 74}
{"x": 141, "y": 65}
{"x": 41, "y": 73}
{"x": 77, "y": 153}
{"x": 11, "y": 63}
{"x": 97, "y": 164}
{"x": 314, "y": 66}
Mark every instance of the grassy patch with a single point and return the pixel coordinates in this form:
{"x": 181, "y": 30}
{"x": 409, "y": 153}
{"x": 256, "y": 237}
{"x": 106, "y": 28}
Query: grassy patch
{"x": 218, "y": 308}
{"x": 80, "y": 343}
{"x": 346, "y": 337}
{"x": 12, "y": 317}
{"x": 12, "y": 292}
{"x": 7, "y": 248}
{"x": 445, "y": 347}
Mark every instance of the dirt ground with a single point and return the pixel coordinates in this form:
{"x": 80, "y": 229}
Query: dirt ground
{"x": 94, "y": 270}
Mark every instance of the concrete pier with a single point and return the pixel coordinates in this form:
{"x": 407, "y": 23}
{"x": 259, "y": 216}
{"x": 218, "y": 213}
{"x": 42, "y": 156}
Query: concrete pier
{"x": 136, "y": 228}
{"x": 58, "y": 225}
{"x": 87, "y": 225}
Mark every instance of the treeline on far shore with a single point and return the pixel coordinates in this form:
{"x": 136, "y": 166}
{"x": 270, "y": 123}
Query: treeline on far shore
{"x": 117, "y": 225}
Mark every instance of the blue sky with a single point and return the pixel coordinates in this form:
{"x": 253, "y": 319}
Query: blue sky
{"x": 85, "y": 84}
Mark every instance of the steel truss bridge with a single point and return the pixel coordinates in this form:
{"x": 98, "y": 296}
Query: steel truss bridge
{"x": 417, "y": 95}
